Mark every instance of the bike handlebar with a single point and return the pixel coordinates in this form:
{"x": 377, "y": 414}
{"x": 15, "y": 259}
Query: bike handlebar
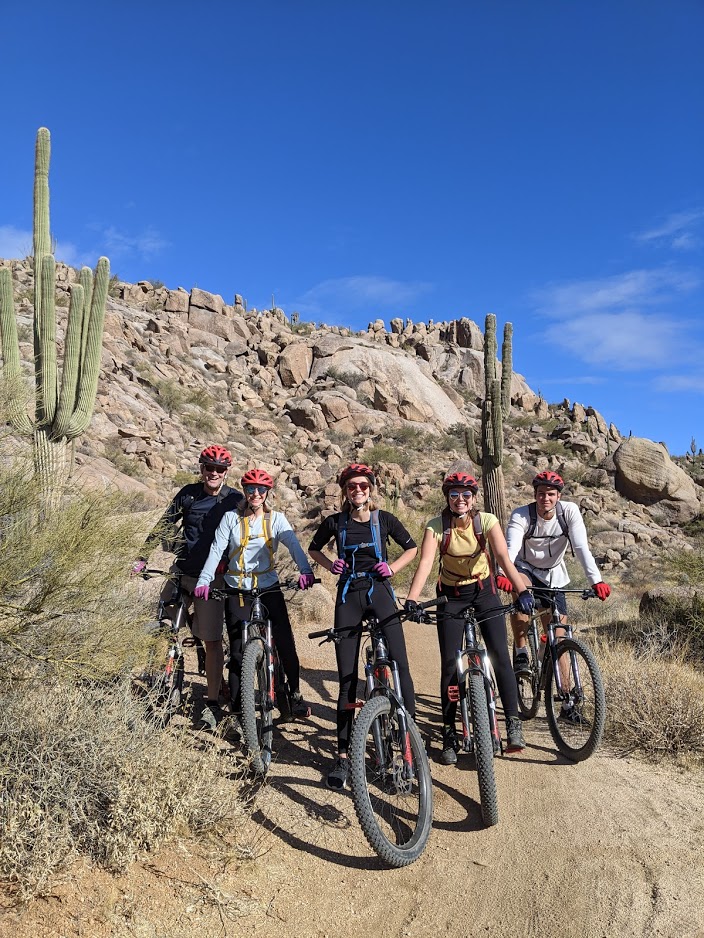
{"x": 333, "y": 635}
{"x": 222, "y": 592}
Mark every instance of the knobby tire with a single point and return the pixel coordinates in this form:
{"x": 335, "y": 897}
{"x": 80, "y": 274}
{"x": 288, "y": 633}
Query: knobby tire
{"x": 577, "y": 741}
{"x": 529, "y": 687}
{"x": 483, "y": 750}
{"x": 395, "y": 814}
{"x": 257, "y": 717}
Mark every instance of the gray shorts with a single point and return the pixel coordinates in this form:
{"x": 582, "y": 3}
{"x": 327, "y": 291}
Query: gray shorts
{"x": 208, "y": 615}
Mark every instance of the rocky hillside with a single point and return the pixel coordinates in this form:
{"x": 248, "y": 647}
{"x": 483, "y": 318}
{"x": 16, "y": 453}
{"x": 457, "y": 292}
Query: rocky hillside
{"x": 183, "y": 369}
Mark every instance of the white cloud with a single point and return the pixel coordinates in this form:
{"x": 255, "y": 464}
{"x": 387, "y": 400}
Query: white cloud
{"x": 572, "y": 379}
{"x": 610, "y": 322}
{"x": 678, "y": 230}
{"x": 371, "y": 293}
{"x": 676, "y": 383}
{"x": 15, "y": 244}
{"x": 145, "y": 244}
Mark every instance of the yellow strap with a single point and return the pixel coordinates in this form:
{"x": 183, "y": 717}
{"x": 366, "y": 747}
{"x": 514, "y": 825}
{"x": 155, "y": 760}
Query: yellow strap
{"x": 241, "y": 573}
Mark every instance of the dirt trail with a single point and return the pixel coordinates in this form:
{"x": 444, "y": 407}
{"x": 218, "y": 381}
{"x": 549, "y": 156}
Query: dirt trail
{"x": 610, "y": 847}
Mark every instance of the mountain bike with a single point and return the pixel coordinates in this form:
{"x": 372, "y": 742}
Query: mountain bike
{"x": 389, "y": 768}
{"x": 566, "y": 670}
{"x": 476, "y": 692}
{"x": 163, "y": 679}
{"x": 263, "y": 682}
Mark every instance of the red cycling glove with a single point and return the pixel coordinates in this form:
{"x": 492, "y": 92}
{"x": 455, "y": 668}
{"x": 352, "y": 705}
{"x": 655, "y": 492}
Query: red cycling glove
{"x": 602, "y": 590}
{"x": 504, "y": 584}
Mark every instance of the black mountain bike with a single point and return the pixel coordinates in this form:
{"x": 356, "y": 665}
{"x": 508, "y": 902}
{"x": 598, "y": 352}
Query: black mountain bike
{"x": 568, "y": 673}
{"x": 264, "y": 686}
{"x": 476, "y": 692}
{"x": 389, "y": 769}
{"x": 163, "y": 680}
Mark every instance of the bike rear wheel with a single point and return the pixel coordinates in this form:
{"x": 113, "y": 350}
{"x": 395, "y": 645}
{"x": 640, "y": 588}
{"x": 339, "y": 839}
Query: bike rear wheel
{"x": 483, "y": 750}
{"x": 576, "y": 718}
{"x": 528, "y": 685}
{"x": 257, "y": 715}
{"x": 394, "y": 810}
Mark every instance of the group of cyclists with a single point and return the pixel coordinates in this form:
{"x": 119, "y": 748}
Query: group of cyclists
{"x": 228, "y": 537}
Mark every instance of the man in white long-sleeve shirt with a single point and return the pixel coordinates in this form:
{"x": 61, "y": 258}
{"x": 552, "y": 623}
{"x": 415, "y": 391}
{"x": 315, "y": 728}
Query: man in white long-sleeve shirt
{"x": 538, "y": 536}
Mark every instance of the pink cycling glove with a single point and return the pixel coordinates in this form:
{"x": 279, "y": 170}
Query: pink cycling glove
{"x": 305, "y": 581}
{"x": 382, "y": 569}
{"x": 602, "y": 590}
{"x": 504, "y": 584}
{"x": 139, "y": 566}
{"x": 202, "y": 592}
{"x": 338, "y": 567}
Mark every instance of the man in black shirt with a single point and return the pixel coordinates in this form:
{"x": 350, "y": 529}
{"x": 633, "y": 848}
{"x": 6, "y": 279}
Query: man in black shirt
{"x": 187, "y": 529}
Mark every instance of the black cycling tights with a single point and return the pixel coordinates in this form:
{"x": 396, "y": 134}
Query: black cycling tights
{"x": 493, "y": 630}
{"x": 347, "y": 650}
{"x": 235, "y": 614}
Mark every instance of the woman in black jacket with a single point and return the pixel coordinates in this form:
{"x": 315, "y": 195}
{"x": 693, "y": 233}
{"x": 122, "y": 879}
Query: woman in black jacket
{"x": 361, "y": 532}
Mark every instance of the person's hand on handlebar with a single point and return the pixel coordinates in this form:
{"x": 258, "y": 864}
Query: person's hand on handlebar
{"x": 202, "y": 592}
{"x": 525, "y": 602}
{"x": 305, "y": 581}
{"x": 415, "y": 613}
{"x": 602, "y": 590}
{"x": 139, "y": 566}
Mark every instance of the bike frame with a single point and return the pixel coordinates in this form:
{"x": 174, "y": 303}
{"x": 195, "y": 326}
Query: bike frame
{"x": 553, "y": 642}
{"x": 477, "y": 658}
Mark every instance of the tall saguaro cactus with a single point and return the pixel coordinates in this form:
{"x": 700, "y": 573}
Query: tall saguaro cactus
{"x": 62, "y": 411}
{"x": 495, "y": 409}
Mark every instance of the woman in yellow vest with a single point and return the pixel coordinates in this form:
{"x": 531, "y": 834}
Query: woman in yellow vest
{"x": 251, "y": 536}
{"x": 466, "y": 578}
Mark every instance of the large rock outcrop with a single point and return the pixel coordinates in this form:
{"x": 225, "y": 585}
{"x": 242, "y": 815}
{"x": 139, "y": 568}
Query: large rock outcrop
{"x": 646, "y": 474}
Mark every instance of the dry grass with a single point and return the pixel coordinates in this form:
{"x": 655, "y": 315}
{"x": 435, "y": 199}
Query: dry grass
{"x": 85, "y": 774}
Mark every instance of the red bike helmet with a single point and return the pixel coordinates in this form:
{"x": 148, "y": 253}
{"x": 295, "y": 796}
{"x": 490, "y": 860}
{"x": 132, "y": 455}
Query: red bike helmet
{"x": 257, "y": 477}
{"x": 355, "y": 469}
{"x": 461, "y": 480}
{"x": 216, "y": 456}
{"x": 550, "y": 478}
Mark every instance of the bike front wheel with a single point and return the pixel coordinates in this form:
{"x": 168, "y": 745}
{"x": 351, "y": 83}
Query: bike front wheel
{"x": 528, "y": 685}
{"x": 257, "y": 715}
{"x": 391, "y": 784}
{"x": 576, "y": 717}
{"x": 483, "y": 749}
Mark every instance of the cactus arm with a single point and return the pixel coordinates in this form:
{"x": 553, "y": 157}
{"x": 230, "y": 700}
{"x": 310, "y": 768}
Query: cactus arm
{"x": 86, "y": 281}
{"x": 46, "y": 374}
{"x": 90, "y": 366}
{"x": 506, "y": 370}
{"x": 11, "y": 369}
{"x": 470, "y": 441}
{"x": 490, "y": 348}
{"x": 72, "y": 354}
{"x": 497, "y": 426}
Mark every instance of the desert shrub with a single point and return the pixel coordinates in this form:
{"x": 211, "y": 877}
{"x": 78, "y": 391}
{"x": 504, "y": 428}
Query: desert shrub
{"x": 200, "y": 422}
{"x": 172, "y": 396}
{"x": 184, "y": 477}
{"x": 655, "y": 702}
{"x": 85, "y": 774}
{"x": 351, "y": 378}
{"x": 386, "y": 452}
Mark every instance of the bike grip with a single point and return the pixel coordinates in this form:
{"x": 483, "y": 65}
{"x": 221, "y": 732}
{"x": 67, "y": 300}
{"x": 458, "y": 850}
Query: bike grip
{"x": 321, "y": 634}
{"x": 438, "y": 601}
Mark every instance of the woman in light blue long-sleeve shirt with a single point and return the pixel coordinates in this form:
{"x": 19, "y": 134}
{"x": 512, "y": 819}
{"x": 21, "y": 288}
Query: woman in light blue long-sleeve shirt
{"x": 251, "y": 538}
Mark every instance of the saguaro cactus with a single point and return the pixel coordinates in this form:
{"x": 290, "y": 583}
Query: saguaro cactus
{"x": 61, "y": 412}
{"x": 495, "y": 408}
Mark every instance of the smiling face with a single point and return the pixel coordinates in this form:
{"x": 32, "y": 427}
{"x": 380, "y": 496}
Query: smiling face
{"x": 546, "y": 497}
{"x": 256, "y": 496}
{"x": 213, "y": 477}
{"x": 357, "y": 491}
{"x": 461, "y": 499}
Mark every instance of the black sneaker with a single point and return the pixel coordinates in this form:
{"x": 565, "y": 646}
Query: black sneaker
{"x": 299, "y": 708}
{"x": 337, "y": 777}
{"x": 572, "y": 715}
{"x": 450, "y": 748}
{"x": 521, "y": 663}
{"x": 514, "y": 735}
{"x": 210, "y": 716}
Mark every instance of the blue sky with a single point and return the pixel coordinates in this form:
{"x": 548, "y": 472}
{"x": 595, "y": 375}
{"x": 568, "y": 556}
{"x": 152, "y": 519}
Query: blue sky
{"x": 363, "y": 160}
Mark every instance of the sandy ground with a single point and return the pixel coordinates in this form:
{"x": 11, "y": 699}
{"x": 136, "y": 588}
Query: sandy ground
{"x": 609, "y": 847}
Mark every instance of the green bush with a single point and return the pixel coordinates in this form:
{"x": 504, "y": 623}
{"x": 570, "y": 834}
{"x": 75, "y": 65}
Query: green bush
{"x": 386, "y": 452}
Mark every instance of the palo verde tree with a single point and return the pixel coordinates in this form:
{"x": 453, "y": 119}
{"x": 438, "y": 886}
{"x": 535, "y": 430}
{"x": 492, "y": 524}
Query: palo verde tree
{"x": 495, "y": 409}
{"x": 62, "y": 408}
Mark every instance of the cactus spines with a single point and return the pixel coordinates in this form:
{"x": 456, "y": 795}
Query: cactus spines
{"x": 495, "y": 407}
{"x": 62, "y": 410}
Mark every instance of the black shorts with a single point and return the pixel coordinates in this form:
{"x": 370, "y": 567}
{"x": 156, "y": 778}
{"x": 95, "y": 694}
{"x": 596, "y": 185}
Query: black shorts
{"x": 540, "y": 591}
